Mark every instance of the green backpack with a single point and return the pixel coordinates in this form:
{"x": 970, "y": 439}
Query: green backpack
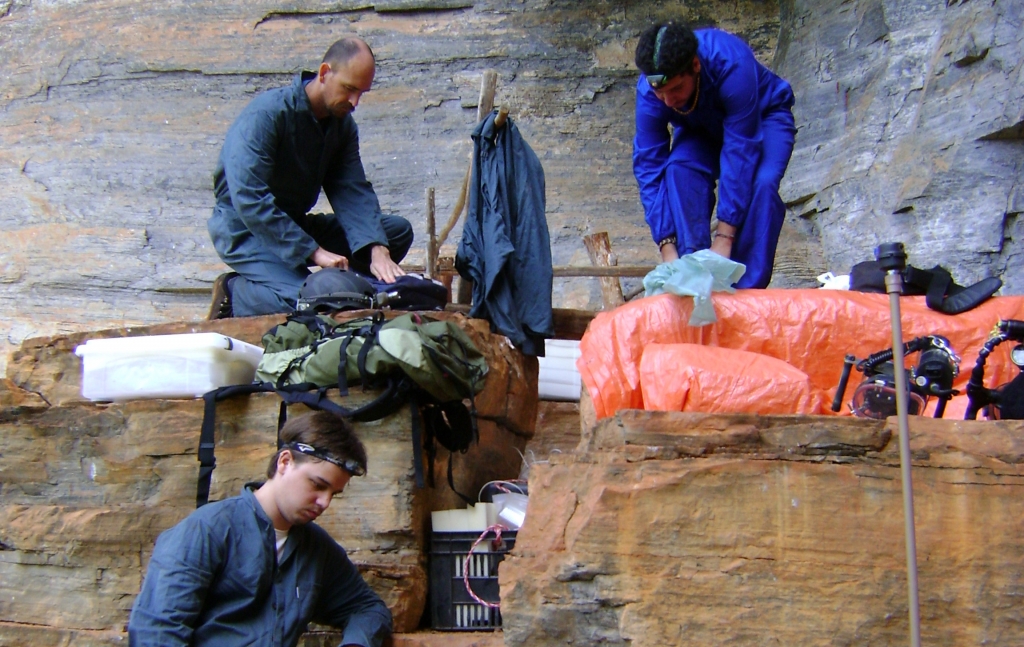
{"x": 431, "y": 364}
{"x": 314, "y": 351}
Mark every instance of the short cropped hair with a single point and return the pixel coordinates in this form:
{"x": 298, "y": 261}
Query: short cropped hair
{"x": 324, "y": 431}
{"x": 345, "y": 49}
{"x": 672, "y": 56}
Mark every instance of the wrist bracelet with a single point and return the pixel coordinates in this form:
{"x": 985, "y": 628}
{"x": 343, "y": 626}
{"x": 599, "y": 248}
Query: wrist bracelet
{"x": 720, "y": 234}
{"x": 671, "y": 240}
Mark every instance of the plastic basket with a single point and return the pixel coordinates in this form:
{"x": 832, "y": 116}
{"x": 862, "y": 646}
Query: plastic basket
{"x": 452, "y": 608}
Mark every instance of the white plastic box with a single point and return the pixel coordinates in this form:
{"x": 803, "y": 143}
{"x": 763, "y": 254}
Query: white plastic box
{"x": 559, "y": 379}
{"x": 164, "y": 366}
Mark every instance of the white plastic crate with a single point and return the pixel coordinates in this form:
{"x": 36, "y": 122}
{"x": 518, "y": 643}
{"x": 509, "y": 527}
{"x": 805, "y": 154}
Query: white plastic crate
{"x": 559, "y": 379}
{"x": 164, "y": 366}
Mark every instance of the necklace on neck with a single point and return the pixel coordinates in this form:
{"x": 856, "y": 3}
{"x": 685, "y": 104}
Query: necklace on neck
{"x": 696, "y": 95}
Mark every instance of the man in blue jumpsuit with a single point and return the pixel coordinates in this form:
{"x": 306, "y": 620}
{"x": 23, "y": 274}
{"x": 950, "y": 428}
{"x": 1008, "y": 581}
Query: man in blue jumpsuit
{"x": 731, "y": 120}
{"x": 285, "y": 147}
{"x": 254, "y": 569}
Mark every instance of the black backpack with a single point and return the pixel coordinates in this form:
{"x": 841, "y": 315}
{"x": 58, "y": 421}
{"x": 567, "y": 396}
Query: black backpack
{"x": 936, "y": 285}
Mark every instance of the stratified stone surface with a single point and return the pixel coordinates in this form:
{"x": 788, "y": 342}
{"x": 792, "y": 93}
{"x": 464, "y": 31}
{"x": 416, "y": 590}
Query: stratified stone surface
{"x": 112, "y": 112}
{"x": 715, "y": 530}
{"x": 85, "y": 488}
{"x": 910, "y": 117}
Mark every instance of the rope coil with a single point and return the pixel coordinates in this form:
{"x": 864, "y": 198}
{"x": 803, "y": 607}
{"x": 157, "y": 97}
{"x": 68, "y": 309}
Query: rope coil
{"x": 495, "y": 544}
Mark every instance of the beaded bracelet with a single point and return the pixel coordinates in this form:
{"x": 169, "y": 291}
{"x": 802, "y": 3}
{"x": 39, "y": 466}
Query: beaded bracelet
{"x": 671, "y": 240}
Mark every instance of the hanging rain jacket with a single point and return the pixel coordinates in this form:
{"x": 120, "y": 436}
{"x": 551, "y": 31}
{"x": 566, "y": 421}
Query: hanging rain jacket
{"x": 505, "y": 248}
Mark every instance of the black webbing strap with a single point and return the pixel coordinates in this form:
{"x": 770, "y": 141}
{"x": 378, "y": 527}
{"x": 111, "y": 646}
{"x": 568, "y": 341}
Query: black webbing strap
{"x": 207, "y": 440}
{"x": 417, "y": 440}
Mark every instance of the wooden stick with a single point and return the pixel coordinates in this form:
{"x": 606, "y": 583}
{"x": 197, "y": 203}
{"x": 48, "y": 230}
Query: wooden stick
{"x": 599, "y": 248}
{"x": 460, "y": 204}
{"x": 431, "y": 236}
{"x": 499, "y": 120}
{"x": 559, "y": 271}
{"x": 488, "y": 85}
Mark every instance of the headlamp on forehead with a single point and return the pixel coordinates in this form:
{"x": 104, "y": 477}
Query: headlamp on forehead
{"x": 349, "y": 465}
{"x": 657, "y": 81}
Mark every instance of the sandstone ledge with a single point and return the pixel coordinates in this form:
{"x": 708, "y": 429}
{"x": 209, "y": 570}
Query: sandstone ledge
{"x": 709, "y": 530}
{"x": 87, "y": 487}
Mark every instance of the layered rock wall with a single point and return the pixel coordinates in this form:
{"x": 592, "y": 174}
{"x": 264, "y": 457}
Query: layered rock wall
{"x": 672, "y": 529}
{"x": 112, "y": 114}
{"x": 85, "y": 488}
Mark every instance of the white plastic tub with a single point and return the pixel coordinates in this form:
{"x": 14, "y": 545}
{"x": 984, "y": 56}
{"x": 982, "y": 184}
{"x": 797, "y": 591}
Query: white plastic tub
{"x": 164, "y": 366}
{"x": 559, "y": 379}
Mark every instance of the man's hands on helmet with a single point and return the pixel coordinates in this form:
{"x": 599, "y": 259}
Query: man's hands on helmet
{"x": 382, "y": 266}
{"x": 323, "y": 258}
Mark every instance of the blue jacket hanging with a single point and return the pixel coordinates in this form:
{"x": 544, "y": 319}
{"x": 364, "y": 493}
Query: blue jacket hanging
{"x": 505, "y": 248}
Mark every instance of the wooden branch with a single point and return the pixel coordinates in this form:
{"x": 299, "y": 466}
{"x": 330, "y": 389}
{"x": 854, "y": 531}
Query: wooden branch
{"x": 499, "y": 120}
{"x": 599, "y": 248}
{"x": 460, "y": 204}
{"x": 560, "y": 271}
{"x": 431, "y": 236}
{"x": 633, "y": 271}
{"x": 488, "y": 85}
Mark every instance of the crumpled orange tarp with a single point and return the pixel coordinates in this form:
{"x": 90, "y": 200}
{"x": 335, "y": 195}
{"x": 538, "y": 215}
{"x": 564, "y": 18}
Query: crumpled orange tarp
{"x": 811, "y": 330}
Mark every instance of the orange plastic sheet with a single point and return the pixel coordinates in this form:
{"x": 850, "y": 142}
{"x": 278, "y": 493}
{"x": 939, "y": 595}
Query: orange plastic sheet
{"x": 810, "y": 330}
{"x": 713, "y": 380}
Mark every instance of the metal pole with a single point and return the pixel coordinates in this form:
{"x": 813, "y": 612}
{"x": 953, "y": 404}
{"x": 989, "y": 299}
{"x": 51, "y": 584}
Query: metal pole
{"x": 893, "y": 259}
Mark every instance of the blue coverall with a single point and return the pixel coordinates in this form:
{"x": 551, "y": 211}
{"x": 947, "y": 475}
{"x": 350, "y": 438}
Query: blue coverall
{"x": 214, "y": 579}
{"x": 741, "y": 133}
{"x": 276, "y": 158}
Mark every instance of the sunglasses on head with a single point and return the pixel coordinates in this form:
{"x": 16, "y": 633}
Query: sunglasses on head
{"x": 349, "y": 465}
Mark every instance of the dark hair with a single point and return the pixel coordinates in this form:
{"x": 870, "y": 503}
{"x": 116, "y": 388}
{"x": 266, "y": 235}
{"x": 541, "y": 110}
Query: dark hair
{"x": 324, "y": 431}
{"x": 345, "y": 49}
{"x": 672, "y": 56}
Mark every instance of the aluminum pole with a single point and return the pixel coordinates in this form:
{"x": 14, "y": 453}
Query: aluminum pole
{"x": 894, "y": 286}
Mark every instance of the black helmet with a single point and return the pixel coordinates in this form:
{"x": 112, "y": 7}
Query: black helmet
{"x": 332, "y": 289}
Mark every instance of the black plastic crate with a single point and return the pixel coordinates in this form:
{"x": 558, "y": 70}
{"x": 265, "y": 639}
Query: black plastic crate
{"x": 452, "y": 608}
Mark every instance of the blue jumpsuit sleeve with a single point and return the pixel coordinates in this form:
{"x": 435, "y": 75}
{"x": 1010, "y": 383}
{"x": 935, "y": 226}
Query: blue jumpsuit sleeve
{"x": 741, "y": 140}
{"x": 351, "y": 195}
{"x": 347, "y": 601}
{"x": 180, "y": 572}
{"x": 248, "y": 157}
{"x": 650, "y": 152}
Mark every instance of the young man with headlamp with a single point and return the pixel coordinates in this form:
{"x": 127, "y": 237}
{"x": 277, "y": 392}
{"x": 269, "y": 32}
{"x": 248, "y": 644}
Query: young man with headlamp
{"x": 254, "y": 569}
{"x": 732, "y": 122}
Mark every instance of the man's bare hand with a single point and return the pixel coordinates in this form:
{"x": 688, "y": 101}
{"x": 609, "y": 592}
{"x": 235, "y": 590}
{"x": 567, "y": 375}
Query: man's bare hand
{"x": 722, "y": 246}
{"x": 722, "y": 239}
{"x": 382, "y": 266}
{"x": 323, "y": 258}
{"x": 669, "y": 253}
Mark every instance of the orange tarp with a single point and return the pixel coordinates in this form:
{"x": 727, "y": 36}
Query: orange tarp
{"x": 811, "y": 330}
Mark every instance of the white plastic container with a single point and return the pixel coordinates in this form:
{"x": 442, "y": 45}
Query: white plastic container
{"x": 559, "y": 379}
{"x": 164, "y": 366}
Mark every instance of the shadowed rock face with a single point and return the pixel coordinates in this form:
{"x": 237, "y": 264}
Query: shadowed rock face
{"x": 112, "y": 114}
